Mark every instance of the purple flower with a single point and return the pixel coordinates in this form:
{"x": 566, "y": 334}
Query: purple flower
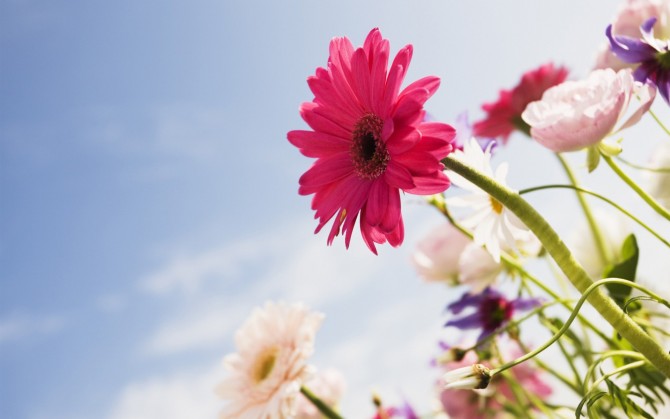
{"x": 492, "y": 311}
{"x": 651, "y": 53}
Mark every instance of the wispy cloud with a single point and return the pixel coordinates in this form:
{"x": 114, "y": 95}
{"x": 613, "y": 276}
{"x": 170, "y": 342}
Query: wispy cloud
{"x": 18, "y": 326}
{"x": 184, "y": 395}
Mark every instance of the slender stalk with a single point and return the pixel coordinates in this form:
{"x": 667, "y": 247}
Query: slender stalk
{"x": 609, "y": 201}
{"x": 607, "y": 308}
{"x": 645, "y": 168}
{"x": 595, "y": 230}
{"x": 641, "y": 192}
{"x": 319, "y": 404}
{"x": 653, "y": 115}
{"x": 565, "y": 380}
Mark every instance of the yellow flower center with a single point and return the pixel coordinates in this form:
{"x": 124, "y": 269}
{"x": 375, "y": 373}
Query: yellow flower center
{"x": 496, "y": 205}
{"x": 265, "y": 363}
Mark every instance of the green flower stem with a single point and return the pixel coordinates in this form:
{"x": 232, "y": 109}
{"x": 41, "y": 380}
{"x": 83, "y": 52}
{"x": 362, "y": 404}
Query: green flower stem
{"x": 663, "y": 359}
{"x": 597, "y": 234}
{"x": 606, "y": 355}
{"x": 644, "y": 195}
{"x": 567, "y": 263}
{"x": 645, "y": 168}
{"x": 653, "y": 115}
{"x": 323, "y": 407}
{"x": 565, "y": 380}
{"x": 609, "y": 201}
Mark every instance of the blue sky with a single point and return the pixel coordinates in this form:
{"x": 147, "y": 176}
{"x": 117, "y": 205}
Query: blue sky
{"x": 148, "y": 195}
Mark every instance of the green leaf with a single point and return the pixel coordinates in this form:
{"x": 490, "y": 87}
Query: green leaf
{"x": 626, "y": 268}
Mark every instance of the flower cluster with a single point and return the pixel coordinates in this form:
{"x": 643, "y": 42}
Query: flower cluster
{"x": 371, "y": 139}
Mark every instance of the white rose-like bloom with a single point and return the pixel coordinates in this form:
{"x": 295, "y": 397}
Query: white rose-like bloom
{"x": 270, "y": 365}
{"x": 577, "y": 114}
{"x": 658, "y": 183}
{"x": 493, "y": 225}
{"x": 614, "y": 228}
{"x": 329, "y": 386}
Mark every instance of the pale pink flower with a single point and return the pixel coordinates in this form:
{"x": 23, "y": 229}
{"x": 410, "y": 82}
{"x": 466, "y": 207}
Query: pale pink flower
{"x": 329, "y": 386}
{"x": 270, "y": 365}
{"x": 578, "y": 114}
{"x": 370, "y": 141}
{"x": 658, "y": 183}
{"x": 630, "y": 16}
{"x": 448, "y": 255}
{"x": 437, "y": 256}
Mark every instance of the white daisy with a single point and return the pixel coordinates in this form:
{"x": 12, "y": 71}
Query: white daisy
{"x": 270, "y": 364}
{"x": 493, "y": 225}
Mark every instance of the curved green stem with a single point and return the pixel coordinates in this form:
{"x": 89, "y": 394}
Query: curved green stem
{"x": 645, "y": 168}
{"x": 653, "y": 115}
{"x": 606, "y": 355}
{"x": 597, "y": 234}
{"x": 567, "y": 263}
{"x": 587, "y": 293}
{"x": 641, "y": 192}
{"x": 319, "y": 404}
{"x": 609, "y": 201}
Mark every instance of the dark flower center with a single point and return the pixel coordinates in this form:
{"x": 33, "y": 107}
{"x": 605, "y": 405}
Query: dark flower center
{"x": 494, "y": 311}
{"x": 368, "y": 151}
{"x": 663, "y": 59}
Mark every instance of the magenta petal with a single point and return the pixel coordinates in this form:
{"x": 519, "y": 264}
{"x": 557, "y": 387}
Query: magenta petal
{"x": 317, "y": 144}
{"x": 430, "y": 185}
{"x": 398, "y": 176}
{"x": 403, "y": 140}
{"x": 392, "y": 215}
{"x": 377, "y": 203}
{"x": 361, "y": 73}
{"x": 325, "y": 171}
{"x": 429, "y": 84}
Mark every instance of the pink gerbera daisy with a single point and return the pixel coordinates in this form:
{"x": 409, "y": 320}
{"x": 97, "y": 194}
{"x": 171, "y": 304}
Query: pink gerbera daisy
{"x": 370, "y": 141}
{"x": 504, "y": 115}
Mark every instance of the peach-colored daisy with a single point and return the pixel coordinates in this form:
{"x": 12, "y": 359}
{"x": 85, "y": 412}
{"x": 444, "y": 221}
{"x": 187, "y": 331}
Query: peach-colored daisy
{"x": 270, "y": 365}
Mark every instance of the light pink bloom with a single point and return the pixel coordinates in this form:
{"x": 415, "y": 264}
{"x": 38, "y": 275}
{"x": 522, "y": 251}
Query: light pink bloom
{"x": 370, "y": 140}
{"x": 437, "y": 256}
{"x": 448, "y": 255}
{"x": 329, "y": 386}
{"x": 631, "y": 15}
{"x": 270, "y": 365}
{"x": 578, "y": 114}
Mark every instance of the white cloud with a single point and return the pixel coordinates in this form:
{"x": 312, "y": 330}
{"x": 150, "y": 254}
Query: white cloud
{"x": 21, "y": 325}
{"x": 208, "y": 325}
{"x": 183, "y": 395}
{"x": 188, "y": 272}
